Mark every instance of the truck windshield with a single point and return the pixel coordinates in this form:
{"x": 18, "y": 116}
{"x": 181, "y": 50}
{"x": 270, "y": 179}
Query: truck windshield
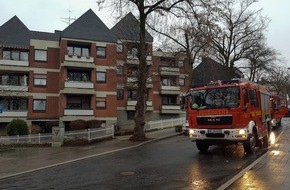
{"x": 228, "y": 97}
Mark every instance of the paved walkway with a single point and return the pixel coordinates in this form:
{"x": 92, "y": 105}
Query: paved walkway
{"x": 271, "y": 171}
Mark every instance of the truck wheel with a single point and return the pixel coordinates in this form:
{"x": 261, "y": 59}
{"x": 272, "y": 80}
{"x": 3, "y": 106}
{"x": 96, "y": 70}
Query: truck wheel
{"x": 265, "y": 141}
{"x": 202, "y": 146}
{"x": 250, "y": 145}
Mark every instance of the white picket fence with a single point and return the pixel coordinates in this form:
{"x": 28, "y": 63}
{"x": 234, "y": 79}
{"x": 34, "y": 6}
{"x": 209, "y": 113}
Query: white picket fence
{"x": 161, "y": 124}
{"x": 90, "y": 134}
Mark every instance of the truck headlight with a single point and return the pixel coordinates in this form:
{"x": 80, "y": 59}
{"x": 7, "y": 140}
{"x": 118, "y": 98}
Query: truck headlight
{"x": 191, "y": 131}
{"x": 242, "y": 132}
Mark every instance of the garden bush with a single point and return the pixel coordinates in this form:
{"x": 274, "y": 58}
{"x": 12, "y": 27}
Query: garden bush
{"x": 35, "y": 129}
{"x": 94, "y": 124}
{"x": 78, "y": 125}
{"x": 17, "y": 127}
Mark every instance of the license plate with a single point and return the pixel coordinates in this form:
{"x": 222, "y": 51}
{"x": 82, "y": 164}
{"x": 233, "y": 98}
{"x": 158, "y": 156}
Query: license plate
{"x": 214, "y": 131}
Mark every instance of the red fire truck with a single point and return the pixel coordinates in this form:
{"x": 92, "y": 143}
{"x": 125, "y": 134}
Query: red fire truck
{"x": 279, "y": 109}
{"x": 228, "y": 112}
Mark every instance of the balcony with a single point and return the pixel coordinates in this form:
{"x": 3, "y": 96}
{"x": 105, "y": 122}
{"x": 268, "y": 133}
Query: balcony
{"x": 79, "y": 84}
{"x": 169, "y": 71}
{"x": 133, "y": 60}
{"x": 131, "y": 105}
{"x": 170, "y": 109}
{"x": 79, "y": 61}
{"x": 174, "y": 90}
{"x": 14, "y": 63}
{"x": 78, "y": 87}
{"x": 78, "y": 112}
{"x": 14, "y": 88}
{"x": 14, "y": 114}
{"x": 132, "y": 82}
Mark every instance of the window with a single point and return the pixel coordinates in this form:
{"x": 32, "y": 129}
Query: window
{"x": 74, "y": 75}
{"x": 101, "y": 103}
{"x": 14, "y": 104}
{"x": 78, "y": 102}
{"x": 180, "y": 63}
{"x": 120, "y": 70}
{"x": 101, "y": 51}
{"x": 253, "y": 98}
{"x": 181, "y": 81}
{"x": 120, "y": 94}
{"x": 78, "y": 51}
{"x": 39, "y": 105}
{"x": 101, "y": 77}
{"x": 132, "y": 94}
{"x": 132, "y": 50}
{"x": 119, "y": 48}
{"x": 168, "y": 82}
{"x": 167, "y": 61}
{"x": 40, "y": 55}
{"x": 13, "y": 80}
{"x": 39, "y": 80}
{"x": 169, "y": 100}
{"x": 15, "y": 55}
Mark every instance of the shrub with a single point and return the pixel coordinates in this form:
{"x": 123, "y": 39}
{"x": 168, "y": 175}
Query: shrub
{"x": 35, "y": 129}
{"x": 17, "y": 127}
{"x": 94, "y": 124}
{"x": 78, "y": 125}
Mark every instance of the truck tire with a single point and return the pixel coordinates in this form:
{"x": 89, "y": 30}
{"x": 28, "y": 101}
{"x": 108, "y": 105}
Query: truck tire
{"x": 250, "y": 144}
{"x": 265, "y": 141}
{"x": 202, "y": 146}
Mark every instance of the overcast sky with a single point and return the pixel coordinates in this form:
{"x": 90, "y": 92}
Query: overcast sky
{"x": 46, "y": 16}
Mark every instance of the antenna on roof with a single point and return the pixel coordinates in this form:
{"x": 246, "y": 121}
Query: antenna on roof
{"x": 68, "y": 19}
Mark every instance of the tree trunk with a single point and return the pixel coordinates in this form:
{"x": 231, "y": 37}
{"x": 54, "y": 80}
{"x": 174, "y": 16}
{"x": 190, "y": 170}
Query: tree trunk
{"x": 139, "y": 132}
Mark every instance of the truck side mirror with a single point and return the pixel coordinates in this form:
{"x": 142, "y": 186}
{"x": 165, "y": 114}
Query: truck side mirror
{"x": 182, "y": 102}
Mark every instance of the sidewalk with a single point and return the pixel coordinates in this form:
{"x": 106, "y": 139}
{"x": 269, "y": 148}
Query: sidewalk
{"x": 23, "y": 160}
{"x": 271, "y": 171}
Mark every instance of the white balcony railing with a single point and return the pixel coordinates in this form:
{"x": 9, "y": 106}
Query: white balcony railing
{"x": 13, "y": 114}
{"x": 171, "y": 109}
{"x": 14, "y": 63}
{"x": 78, "y": 112}
{"x": 170, "y": 90}
{"x": 75, "y": 58}
{"x": 14, "y": 88}
{"x": 79, "y": 84}
{"x": 169, "y": 71}
{"x": 131, "y": 105}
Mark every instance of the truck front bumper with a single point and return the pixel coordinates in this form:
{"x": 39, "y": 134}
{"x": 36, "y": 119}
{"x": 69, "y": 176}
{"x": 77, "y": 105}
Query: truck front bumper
{"x": 219, "y": 134}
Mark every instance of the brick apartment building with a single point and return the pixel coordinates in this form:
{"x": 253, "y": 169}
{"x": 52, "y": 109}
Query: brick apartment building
{"x": 87, "y": 71}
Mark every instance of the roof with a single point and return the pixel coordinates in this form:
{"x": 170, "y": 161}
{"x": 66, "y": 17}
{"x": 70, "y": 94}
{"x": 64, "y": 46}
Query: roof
{"x": 210, "y": 70}
{"x": 128, "y": 29}
{"x": 88, "y": 27}
{"x": 14, "y": 33}
{"x": 45, "y": 35}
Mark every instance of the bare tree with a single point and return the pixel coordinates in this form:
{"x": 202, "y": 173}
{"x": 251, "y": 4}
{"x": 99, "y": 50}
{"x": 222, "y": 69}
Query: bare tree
{"x": 260, "y": 59}
{"x": 143, "y": 9}
{"x": 278, "y": 79}
{"x": 233, "y": 28}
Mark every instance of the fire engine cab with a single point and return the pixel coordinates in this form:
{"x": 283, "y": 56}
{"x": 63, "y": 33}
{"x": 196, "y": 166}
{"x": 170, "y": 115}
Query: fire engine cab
{"x": 279, "y": 109}
{"x": 228, "y": 112}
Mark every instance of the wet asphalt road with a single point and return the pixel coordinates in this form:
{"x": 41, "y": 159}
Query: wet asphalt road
{"x": 173, "y": 163}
